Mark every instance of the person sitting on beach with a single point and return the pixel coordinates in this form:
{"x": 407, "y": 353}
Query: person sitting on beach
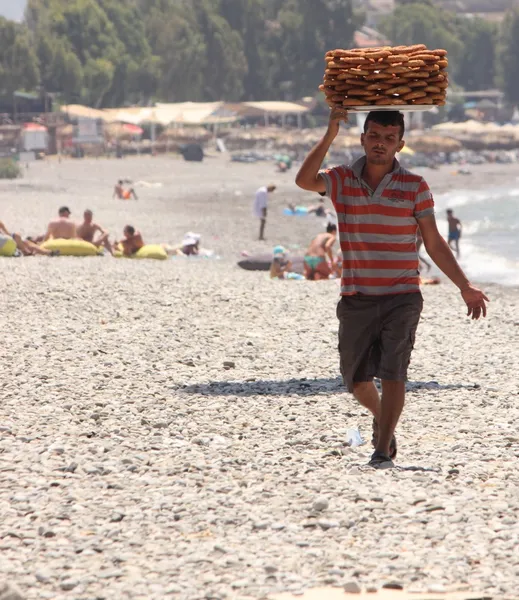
{"x": 454, "y": 231}
{"x": 122, "y": 194}
{"x": 319, "y": 210}
{"x": 27, "y": 247}
{"x": 132, "y": 241}
{"x": 87, "y": 230}
{"x": 191, "y": 244}
{"x": 319, "y": 256}
{"x": 61, "y": 228}
{"x": 280, "y": 265}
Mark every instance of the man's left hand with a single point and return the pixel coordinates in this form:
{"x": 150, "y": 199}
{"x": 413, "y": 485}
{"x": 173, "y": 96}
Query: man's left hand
{"x": 475, "y": 301}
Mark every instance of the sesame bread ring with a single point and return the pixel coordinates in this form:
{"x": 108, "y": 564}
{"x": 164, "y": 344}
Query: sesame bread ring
{"x": 426, "y": 100}
{"x": 378, "y": 76}
{"x": 358, "y": 60}
{"x": 359, "y": 72}
{"x": 424, "y": 56}
{"x": 437, "y": 78}
{"x": 390, "y": 102}
{"x": 408, "y": 49}
{"x": 397, "y": 58}
{"x": 399, "y": 89}
{"x": 437, "y": 96}
{"x": 432, "y": 88}
{"x": 342, "y": 53}
{"x": 415, "y": 63}
{"x": 381, "y": 85}
{"x": 337, "y": 97}
{"x": 398, "y": 69}
{"x": 443, "y": 85}
{"x": 440, "y": 52}
{"x": 332, "y": 72}
{"x": 378, "y": 55}
{"x": 414, "y": 95}
{"x": 359, "y": 92}
{"x": 353, "y": 102}
{"x": 417, "y": 75}
{"x": 373, "y": 98}
{"x": 444, "y": 63}
{"x": 417, "y": 84}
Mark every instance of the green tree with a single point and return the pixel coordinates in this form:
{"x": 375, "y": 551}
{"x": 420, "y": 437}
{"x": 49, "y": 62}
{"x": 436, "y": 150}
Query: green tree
{"x": 99, "y": 75}
{"x": 477, "y": 65}
{"x": 509, "y": 57}
{"x": 18, "y": 61}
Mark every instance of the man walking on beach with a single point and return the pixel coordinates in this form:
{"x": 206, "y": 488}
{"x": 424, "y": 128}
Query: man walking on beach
{"x": 454, "y": 231}
{"x": 379, "y": 207}
{"x": 260, "y": 207}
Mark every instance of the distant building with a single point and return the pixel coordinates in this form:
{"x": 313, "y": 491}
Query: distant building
{"x": 367, "y": 37}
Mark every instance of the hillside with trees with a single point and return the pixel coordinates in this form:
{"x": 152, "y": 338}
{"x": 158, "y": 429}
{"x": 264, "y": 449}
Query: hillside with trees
{"x": 120, "y": 52}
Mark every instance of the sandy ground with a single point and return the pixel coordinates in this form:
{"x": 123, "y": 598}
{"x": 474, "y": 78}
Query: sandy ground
{"x": 177, "y": 429}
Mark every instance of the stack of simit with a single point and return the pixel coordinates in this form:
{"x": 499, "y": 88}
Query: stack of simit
{"x": 386, "y": 76}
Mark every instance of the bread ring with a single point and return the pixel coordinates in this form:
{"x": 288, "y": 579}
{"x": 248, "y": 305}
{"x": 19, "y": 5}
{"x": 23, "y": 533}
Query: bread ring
{"x": 381, "y": 85}
{"x": 417, "y": 75}
{"x": 350, "y": 60}
{"x": 332, "y": 72}
{"x": 437, "y": 96}
{"x": 439, "y": 102}
{"x": 399, "y": 89}
{"x": 414, "y": 95}
{"x": 416, "y": 63}
{"x": 436, "y": 78}
{"x": 390, "y": 102}
{"x": 424, "y": 56}
{"x": 397, "y": 69}
{"x": 359, "y": 92}
{"x": 378, "y": 55}
{"x": 353, "y": 102}
{"x": 417, "y": 84}
{"x": 443, "y": 85}
{"x": 337, "y": 97}
{"x": 441, "y": 52}
{"x": 432, "y": 88}
{"x": 425, "y": 100}
{"x": 343, "y": 53}
{"x": 379, "y": 76}
{"x": 408, "y": 49}
{"x": 373, "y": 98}
{"x": 444, "y": 63}
{"x": 397, "y": 58}
{"x": 360, "y": 72}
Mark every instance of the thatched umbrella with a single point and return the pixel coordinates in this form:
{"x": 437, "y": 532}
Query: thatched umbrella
{"x": 430, "y": 144}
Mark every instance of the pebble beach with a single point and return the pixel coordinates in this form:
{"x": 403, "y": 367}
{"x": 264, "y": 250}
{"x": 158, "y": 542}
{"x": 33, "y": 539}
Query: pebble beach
{"x": 177, "y": 429}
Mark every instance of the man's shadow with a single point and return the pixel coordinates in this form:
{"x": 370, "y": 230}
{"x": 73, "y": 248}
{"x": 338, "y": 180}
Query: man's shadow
{"x": 301, "y": 386}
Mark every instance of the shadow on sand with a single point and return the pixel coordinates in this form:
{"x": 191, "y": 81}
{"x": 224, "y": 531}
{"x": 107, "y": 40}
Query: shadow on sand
{"x": 302, "y": 387}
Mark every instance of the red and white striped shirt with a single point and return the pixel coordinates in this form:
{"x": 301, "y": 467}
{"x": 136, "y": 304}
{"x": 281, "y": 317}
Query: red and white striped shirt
{"x": 377, "y": 229}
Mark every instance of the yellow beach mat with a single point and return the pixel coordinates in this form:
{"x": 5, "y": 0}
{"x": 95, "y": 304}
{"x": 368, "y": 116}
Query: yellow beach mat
{"x": 154, "y": 251}
{"x": 72, "y": 247}
{"x": 338, "y": 594}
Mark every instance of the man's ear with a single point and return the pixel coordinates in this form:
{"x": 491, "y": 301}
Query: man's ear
{"x": 362, "y": 138}
{"x": 401, "y": 145}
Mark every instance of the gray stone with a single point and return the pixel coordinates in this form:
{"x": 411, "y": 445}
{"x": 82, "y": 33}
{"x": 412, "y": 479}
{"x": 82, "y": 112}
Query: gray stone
{"x": 320, "y": 504}
{"x": 352, "y": 587}
{"x": 9, "y": 591}
{"x": 68, "y": 584}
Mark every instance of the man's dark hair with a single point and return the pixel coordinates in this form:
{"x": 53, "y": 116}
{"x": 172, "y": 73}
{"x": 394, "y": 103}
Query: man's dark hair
{"x": 331, "y": 228}
{"x": 130, "y": 229}
{"x": 386, "y": 119}
{"x": 63, "y": 210}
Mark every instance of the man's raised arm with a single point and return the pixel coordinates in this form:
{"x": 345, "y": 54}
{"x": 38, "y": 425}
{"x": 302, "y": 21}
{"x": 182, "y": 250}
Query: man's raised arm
{"x": 308, "y": 177}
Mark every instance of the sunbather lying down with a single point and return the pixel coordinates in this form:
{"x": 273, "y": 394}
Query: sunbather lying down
{"x": 25, "y": 247}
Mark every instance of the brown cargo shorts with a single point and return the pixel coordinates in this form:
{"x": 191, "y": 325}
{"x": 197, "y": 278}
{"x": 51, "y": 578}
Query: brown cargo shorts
{"x": 376, "y": 336}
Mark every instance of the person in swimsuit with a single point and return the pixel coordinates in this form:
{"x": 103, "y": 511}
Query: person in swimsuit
{"x": 122, "y": 194}
{"x": 87, "y": 230}
{"x": 61, "y": 228}
{"x": 280, "y": 265}
{"x": 27, "y": 247}
{"x": 319, "y": 256}
{"x": 131, "y": 242}
{"x": 454, "y": 232}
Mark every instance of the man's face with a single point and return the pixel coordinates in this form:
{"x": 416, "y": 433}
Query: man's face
{"x": 127, "y": 233}
{"x": 381, "y": 143}
{"x": 88, "y": 217}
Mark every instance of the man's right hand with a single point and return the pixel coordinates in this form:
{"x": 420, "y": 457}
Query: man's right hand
{"x": 337, "y": 114}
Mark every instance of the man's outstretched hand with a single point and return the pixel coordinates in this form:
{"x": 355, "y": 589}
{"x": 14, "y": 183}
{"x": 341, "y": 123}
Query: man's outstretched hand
{"x": 475, "y": 301}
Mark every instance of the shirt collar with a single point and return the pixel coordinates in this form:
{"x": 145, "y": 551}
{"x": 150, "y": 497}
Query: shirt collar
{"x": 358, "y": 166}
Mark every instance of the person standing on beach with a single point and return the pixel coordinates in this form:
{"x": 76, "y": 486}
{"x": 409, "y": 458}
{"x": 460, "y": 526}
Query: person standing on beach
{"x": 454, "y": 231}
{"x": 260, "y": 207}
{"x": 380, "y": 206}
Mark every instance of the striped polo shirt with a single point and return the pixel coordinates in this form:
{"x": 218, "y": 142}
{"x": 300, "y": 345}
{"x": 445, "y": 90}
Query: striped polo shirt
{"x": 377, "y": 228}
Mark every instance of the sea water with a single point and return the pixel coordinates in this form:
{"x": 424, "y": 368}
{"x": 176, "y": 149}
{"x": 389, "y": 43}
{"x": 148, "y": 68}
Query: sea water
{"x": 489, "y": 246}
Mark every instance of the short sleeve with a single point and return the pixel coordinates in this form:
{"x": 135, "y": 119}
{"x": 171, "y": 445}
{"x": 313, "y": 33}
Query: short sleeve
{"x": 424, "y": 201}
{"x": 332, "y": 179}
